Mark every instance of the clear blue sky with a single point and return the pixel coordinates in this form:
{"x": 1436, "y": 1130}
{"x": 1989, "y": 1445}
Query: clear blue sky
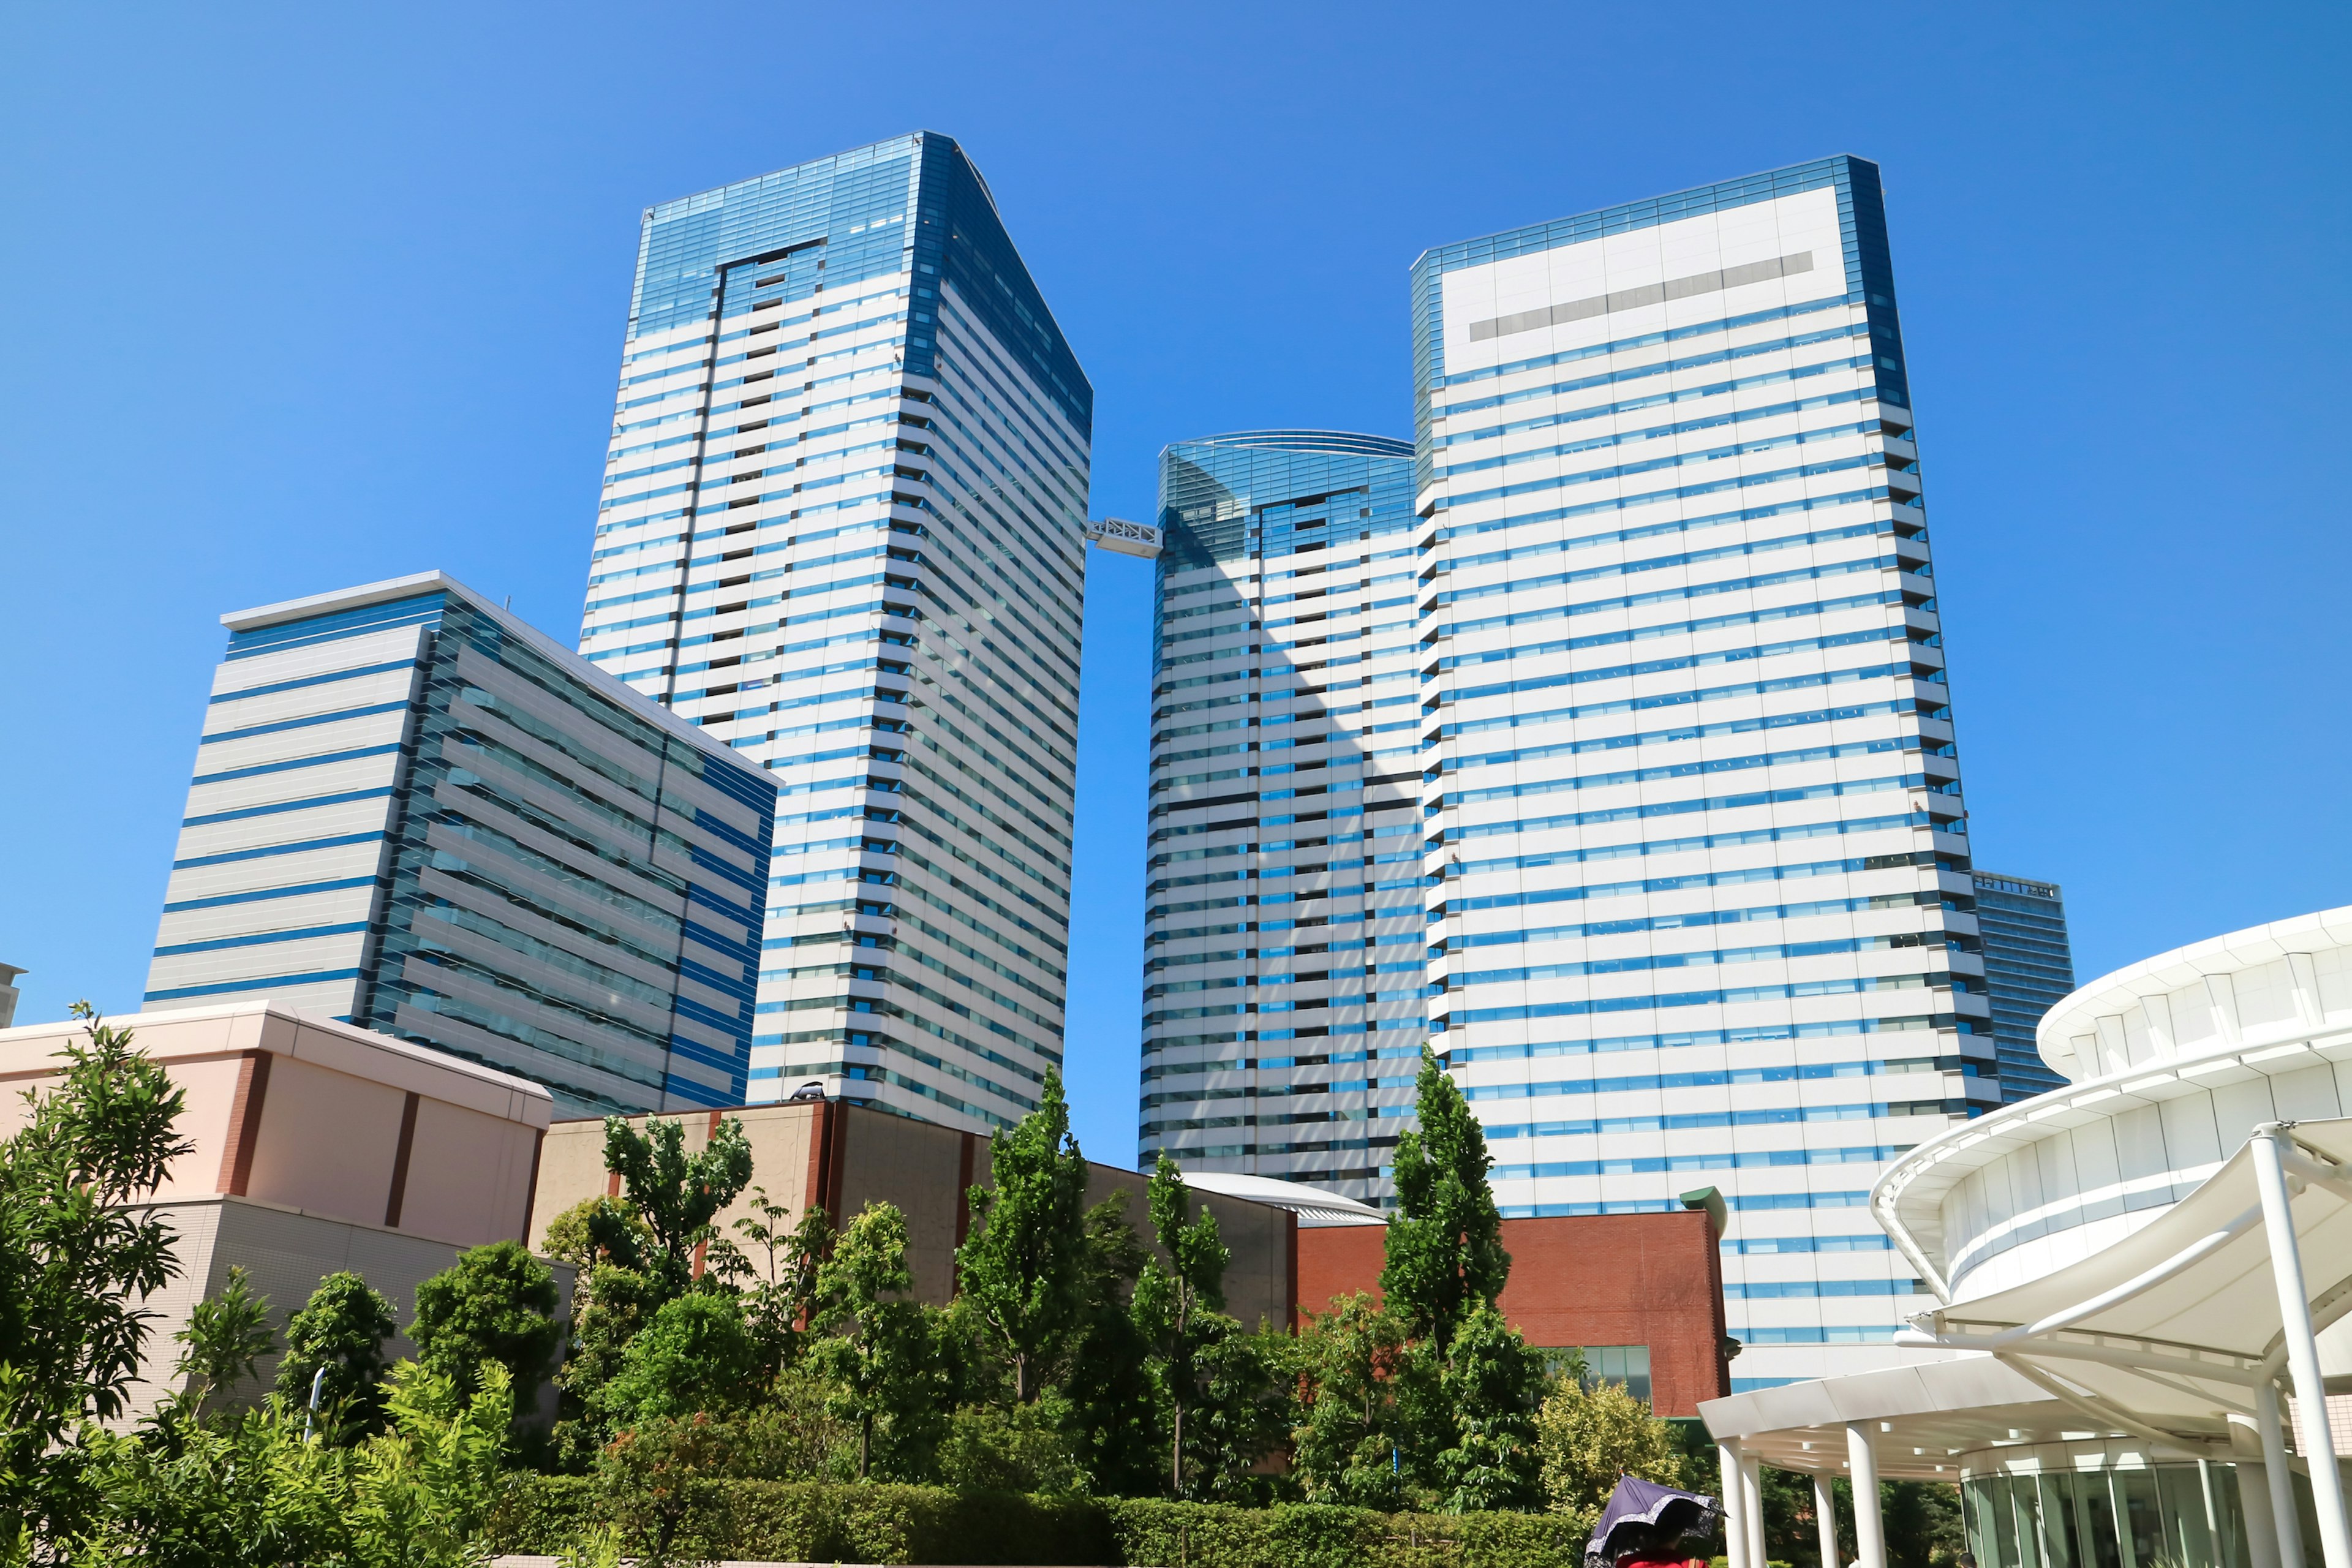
{"x": 306, "y": 296}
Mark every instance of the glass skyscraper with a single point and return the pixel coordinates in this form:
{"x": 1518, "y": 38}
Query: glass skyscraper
{"x": 843, "y": 530}
{"x": 2028, "y": 965}
{"x": 1283, "y": 971}
{"x": 1699, "y": 907}
{"x": 416, "y": 814}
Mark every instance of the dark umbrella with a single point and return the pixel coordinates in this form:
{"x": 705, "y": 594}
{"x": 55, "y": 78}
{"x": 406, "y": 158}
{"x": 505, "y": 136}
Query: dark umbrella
{"x": 1643, "y": 1513}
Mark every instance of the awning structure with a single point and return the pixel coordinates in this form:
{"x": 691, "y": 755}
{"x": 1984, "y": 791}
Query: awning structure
{"x": 2177, "y": 1335}
{"x": 2172, "y": 1331}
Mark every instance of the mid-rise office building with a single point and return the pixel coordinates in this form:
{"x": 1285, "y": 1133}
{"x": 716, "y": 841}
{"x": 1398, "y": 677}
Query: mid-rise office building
{"x": 2028, "y": 965}
{"x": 1283, "y": 1012}
{"x": 843, "y": 532}
{"x": 1699, "y": 907}
{"x": 414, "y": 813}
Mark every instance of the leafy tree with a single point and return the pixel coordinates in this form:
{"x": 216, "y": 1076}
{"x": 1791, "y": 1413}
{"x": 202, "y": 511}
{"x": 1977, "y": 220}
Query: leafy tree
{"x": 1495, "y": 1384}
{"x": 1180, "y": 1305}
{"x": 244, "y": 1488}
{"x": 1110, "y": 1403}
{"x": 251, "y": 1490}
{"x": 694, "y": 1355}
{"x": 1368, "y": 1395}
{"x": 568, "y": 1238}
{"x": 1588, "y": 1434}
{"x": 223, "y": 1340}
{"x": 341, "y": 1332}
{"x": 674, "y": 1195}
{"x": 76, "y": 1261}
{"x": 424, "y": 1488}
{"x": 1020, "y": 1270}
{"x": 1239, "y": 1411}
{"x": 776, "y": 1266}
{"x": 1011, "y": 1448}
{"x": 496, "y": 1303}
{"x": 1445, "y": 1249}
{"x": 878, "y": 1347}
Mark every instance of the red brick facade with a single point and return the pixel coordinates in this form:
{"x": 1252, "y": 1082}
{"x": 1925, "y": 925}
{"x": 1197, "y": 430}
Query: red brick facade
{"x": 1653, "y": 1280}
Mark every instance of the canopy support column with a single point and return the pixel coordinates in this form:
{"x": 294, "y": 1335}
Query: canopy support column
{"x": 1752, "y": 1504}
{"x": 1825, "y": 1514}
{"x": 1735, "y": 1504}
{"x": 1869, "y": 1528}
{"x": 2301, "y": 1346}
{"x": 2286, "y": 1525}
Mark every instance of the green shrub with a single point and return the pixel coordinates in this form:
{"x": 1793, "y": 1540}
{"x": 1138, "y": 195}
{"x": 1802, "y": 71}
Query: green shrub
{"x": 800, "y": 1522}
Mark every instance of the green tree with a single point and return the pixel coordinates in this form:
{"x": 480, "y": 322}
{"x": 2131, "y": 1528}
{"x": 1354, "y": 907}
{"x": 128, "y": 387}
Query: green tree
{"x": 1495, "y": 1384}
{"x": 1106, "y": 1381}
{"x": 76, "y": 1262}
{"x": 571, "y": 1239}
{"x": 1180, "y": 1304}
{"x": 674, "y": 1195}
{"x": 1591, "y": 1434}
{"x": 249, "y": 1489}
{"x": 1367, "y": 1397}
{"x": 222, "y": 1342}
{"x": 1021, "y": 1268}
{"x": 423, "y": 1488}
{"x": 496, "y": 1303}
{"x": 694, "y": 1355}
{"x": 877, "y": 1347}
{"x": 1239, "y": 1411}
{"x": 1445, "y": 1249}
{"x": 339, "y": 1332}
{"x": 775, "y": 1265}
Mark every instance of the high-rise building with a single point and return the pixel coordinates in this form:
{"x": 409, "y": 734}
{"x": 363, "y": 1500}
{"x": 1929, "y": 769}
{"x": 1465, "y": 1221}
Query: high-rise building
{"x": 843, "y": 531}
{"x": 1283, "y": 1010}
{"x": 2028, "y": 965}
{"x": 1700, "y": 902}
{"x": 414, "y": 813}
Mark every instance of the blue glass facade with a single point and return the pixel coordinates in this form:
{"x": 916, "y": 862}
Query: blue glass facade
{"x": 843, "y": 534}
{"x": 415, "y": 813}
{"x": 2028, "y": 965}
{"x": 1698, "y": 856}
{"x": 1283, "y": 969}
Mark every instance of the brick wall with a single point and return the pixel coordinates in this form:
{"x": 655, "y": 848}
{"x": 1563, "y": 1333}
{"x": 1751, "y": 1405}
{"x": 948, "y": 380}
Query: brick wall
{"x": 1653, "y": 1280}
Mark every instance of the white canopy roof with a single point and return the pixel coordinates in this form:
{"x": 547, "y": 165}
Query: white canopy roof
{"x": 2169, "y": 1331}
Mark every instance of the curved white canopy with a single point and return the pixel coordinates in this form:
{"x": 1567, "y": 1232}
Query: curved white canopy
{"x": 2168, "y": 1332}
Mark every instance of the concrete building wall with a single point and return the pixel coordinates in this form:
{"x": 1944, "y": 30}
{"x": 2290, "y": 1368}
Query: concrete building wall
{"x": 315, "y": 1116}
{"x": 845, "y": 1156}
{"x": 1584, "y": 1281}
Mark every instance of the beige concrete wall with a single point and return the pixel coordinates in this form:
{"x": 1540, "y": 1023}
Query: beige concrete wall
{"x": 846, "y": 1156}
{"x": 285, "y": 1255}
{"x": 311, "y": 1115}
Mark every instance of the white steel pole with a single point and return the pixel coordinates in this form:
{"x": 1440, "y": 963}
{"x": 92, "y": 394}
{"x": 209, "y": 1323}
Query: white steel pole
{"x": 2301, "y": 1346}
{"x": 2286, "y": 1523}
{"x": 1825, "y": 1514}
{"x": 1751, "y": 1500}
{"x": 1735, "y": 1505}
{"x": 1869, "y": 1528}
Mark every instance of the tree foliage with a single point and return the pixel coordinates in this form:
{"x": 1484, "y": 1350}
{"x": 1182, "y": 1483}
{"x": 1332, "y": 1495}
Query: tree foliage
{"x": 339, "y": 1332}
{"x": 251, "y": 1488}
{"x": 1494, "y": 1385}
{"x": 1591, "y": 1434}
{"x": 1020, "y": 1269}
{"x": 675, "y": 1196}
{"x": 1368, "y": 1396}
{"x": 496, "y": 1304}
{"x": 1444, "y": 1254}
{"x": 879, "y": 1348}
{"x": 223, "y": 1339}
{"x": 76, "y": 1265}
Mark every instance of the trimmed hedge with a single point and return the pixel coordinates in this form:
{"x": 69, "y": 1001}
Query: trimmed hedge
{"x": 808, "y": 1522}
